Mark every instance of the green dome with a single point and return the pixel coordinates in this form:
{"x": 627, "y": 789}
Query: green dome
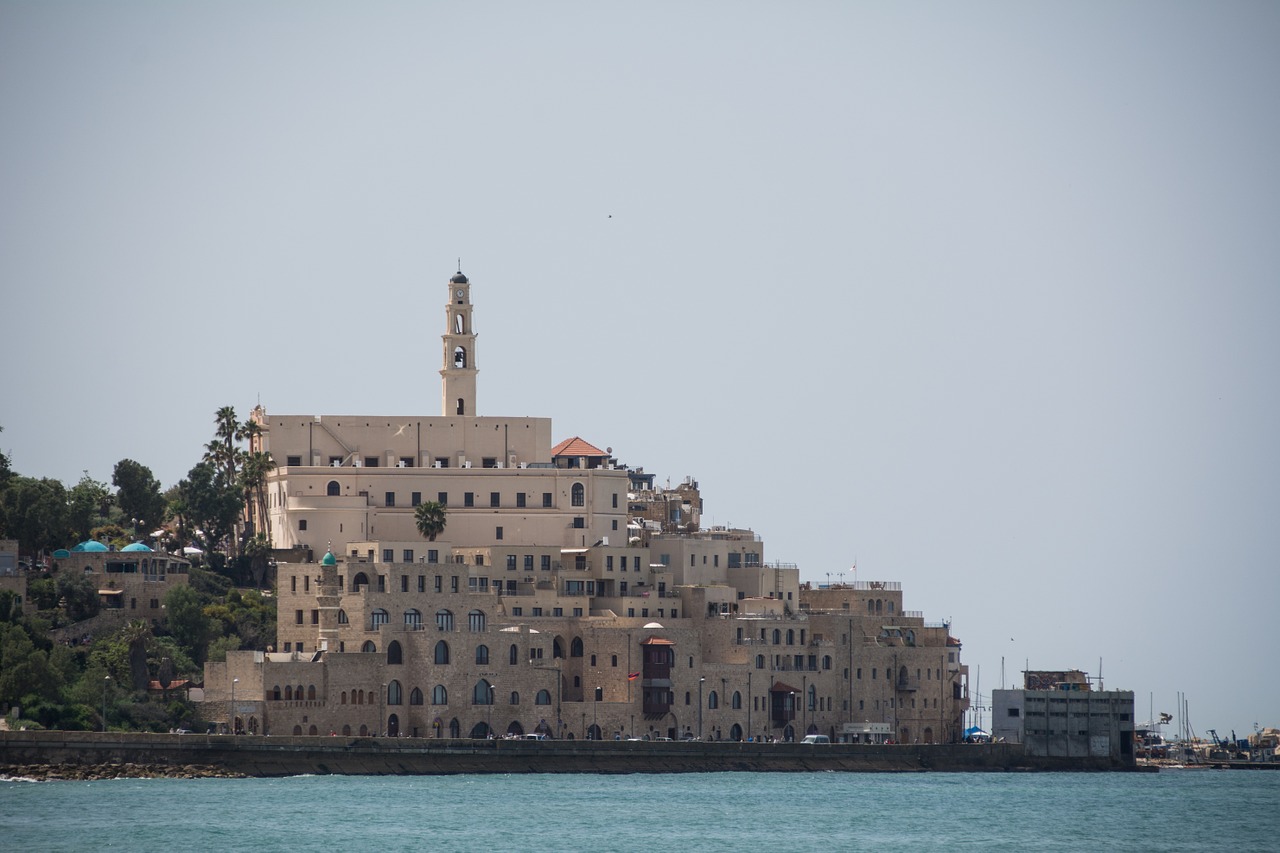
{"x": 136, "y": 546}
{"x": 91, "y": 545}
{"x": 329, "y": 560}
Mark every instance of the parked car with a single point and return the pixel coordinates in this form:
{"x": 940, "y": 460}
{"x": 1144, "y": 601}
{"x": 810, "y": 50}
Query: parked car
{"x": 816, "y": 739}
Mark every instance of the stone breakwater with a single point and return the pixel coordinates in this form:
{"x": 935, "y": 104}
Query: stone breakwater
{"x": 123, "y": 770}
{"x": 260, "y": 756}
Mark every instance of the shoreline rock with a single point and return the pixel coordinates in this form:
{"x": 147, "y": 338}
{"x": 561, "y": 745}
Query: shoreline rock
{"x": 103, "y": 772}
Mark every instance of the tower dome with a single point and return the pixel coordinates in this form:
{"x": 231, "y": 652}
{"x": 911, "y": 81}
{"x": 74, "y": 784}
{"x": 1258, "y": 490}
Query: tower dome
{"x": 458, "y": 279}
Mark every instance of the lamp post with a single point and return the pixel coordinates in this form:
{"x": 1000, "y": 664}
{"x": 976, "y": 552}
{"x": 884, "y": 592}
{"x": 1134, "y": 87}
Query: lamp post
{"x": 596, "y": 698}
{"x": 232, "y": 715}
{"x": 382, "y": 697}
{"x": 792, "y": 721}
{"x": 105, "y": 682}
{"x": 700, "y": 680}
{"x": 491, "y": 733}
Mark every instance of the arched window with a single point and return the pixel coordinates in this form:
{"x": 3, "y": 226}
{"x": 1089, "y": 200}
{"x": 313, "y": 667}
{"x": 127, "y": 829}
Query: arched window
{"x": 333, "y": 489}
{"x": 735, "y": 733}
{"x": 791, "y": 637}
{"x": 342, "y": 617}
{"x": 459, "y": 357}
{"x": 359, "y": 582}
{"x": 871, "y": 606}
{"x": 462, "y": 410}
{"x": 379, "y": 617}
{"x": 890, "y": 603}
{"x": 575, "y": 648}
{"x": 442, "y": 652}
{"x": 444, "y": 619}
{"x": 297, "y": 693}
{"x": 455, "y": 728}
{"x": 297, "y": 730}
{"x": 415, "y": 696}
{"x": 311, "y": 692}
{"x": 344, "y": 697}
{"x": 369, "y": 647}
{"x": 777, "y": 637}
{"x": 394, "y": 655}
{"x": 394, "y": 696}
{"x": 515, "y": 698}
{"x": 482, "y": 655}
{"x": 813, "y": 698}
{"x": 459, "y": 327}
{"x": 346, "y": 731}
{"x": 713, "y": 701}
{"x": 736, "y": 704}
{"x": 288, "y": 692}
{"x": 513, "y": 657}
{"x": 412, "y": 619}
{"x": 476, "y": 621}
{"x": 578, "y": 495}
{"x": 543, "y": 698}
{"x": 879, "y": 606}
{"x": 357, "y": 697}
{"x": 826, "y": 661}
{"x": 482, "y": 694}
{"x": 439, "y": 696}
{"x": 275, "y": 693}
{"x": 557, "y": 648}
{"x": 759, "y": 661}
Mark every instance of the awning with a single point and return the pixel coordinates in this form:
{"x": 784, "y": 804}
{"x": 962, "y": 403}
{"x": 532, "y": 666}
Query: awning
{"x": 111, "y": 592}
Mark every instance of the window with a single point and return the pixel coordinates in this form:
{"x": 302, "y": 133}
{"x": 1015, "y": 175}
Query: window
{"x": 468, "y": 498}
{"x": 342, "y": 617}
{"x": 379, "y": 617}
{"x": 495, "y": 499}
{"x": 520, "y": 502}
{"x": 439, "y": 696}
{"x": 293, "y": 460}
{"x": 333, "y": 489}
{"x": 546, "y": 562}
{"x": 482, "y": 694}
{"x": 382, "y": 583}
{"x": 405, "y": 462}
{"x": 476, "y": 621}
{"x": 395, "y": 655}
{"x": 575, "y": 648}
{"x": 369, "y": 648}
{"x": 444, "y": 618}
{"x": 297, "y": 617}
{"x": 543, "y": 698}
{"x": 736, "y": 703}
{"x": 422, "y": 583}
{"x": 416, "y": 499}
{"x": 608, "y": 563}
{"x": 578, "y": 495}
{"x": 302, "y": 524}
{"x": 497, "y": 534}
{"x": 390, "y": 499}
{"x": 579, "y": 522}
{"x": 412, "y": 619}
{"x": 388, "y": 555}
{"x": 415, "y": 696}
{"x": 315, "y": 617}
{"x": 511, "y": 562}
{"x": 393, "y": 693}
{"x": 546, "y": 499}
{"x": 433, "y": 556}
{"x": 1014, "y": 712}
{"x": 442, "y": 498}
{"x": 517, "y": 611}
{"x": 404, "y": 583}
{"x": 442, "y": 653}
{"x": 515, "y": 698}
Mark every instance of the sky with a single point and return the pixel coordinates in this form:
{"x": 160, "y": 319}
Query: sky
{"x": 982, "y": 297}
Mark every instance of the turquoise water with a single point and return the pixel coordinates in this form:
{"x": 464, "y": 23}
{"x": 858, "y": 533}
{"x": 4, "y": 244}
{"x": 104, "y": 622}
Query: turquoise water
{"x": 1172, "y": 810}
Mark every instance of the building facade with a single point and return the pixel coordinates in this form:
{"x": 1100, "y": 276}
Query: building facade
{"x": 568, "y": 595}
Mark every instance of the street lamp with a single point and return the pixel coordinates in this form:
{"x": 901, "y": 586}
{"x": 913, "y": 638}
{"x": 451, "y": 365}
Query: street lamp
{"x": 594, "y": 728}
{"x": 491, "y": 688}
{"x": 700, "y": 680}
{"x": 105, "y": 681}
{"x": 234, "y": 682}
{"x": 382, "y": 698}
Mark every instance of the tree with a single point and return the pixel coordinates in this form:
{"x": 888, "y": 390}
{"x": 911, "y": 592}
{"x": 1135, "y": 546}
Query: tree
{"x": 139, "y": 495}
{"x": 227, "y": 459}
{"x": 187, "y": 622}
{"x": 207, "y": 506}
{"x": 430, "y": 518}
{"x": 135, "y": 634}
{"x": 253, "y": 476}
{"x": 35, "y": 513}
{"x": 89, "y": 503}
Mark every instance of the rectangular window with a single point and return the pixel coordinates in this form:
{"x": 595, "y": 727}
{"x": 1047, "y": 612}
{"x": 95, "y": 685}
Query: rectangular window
{"x": 293, "y": 583}
{"x": 416, "y": 499}
{"x": 422, "y": 583}
{"x": 306, "y": 583}
{"x": 577, "y": 611}
{"x": 559, "y": 611}
{"x": 388, "y": 555}
{"x": 622, "y": 587}
{"x": 335, "y": 461}
{"x": 453, "y": 584}
{"x": 520, "y": 496}
{"x": 488, "y": 462}
{"x": 442, "y": 498}
{"x": 497, "y": 534}
{"x": 615, "y": 524}
{"x": 537, "y": 611}
{"x": 528, "y": 562}
{"x": 408, "y": 555}
{"x": 433, "y": 556}
{"x": 371, "y": 462}
{"x": 404, "y": 583}
{"x": 511, "y": 562}
{"x": 293, "y": 461}
{"x": 405, "y": 462}
{"x": 297, "y": 617}
{"x": 442, "y": 461}
{"x": 391, "y": 499}
{"x": 546, "y": 499}
{"x": 302, "y": 524}
{"x": 608, "y": 563}
{"x": 315, "y": 617}
{"x": 615, "y": 500}
{"x": 1014, "y": 712}
{"x": 468, "y": 498}
{"x": 715, "y": 560}
{"x": 382, "y": 583}
{"x": 518, "y": 611}
{"x": 579, "y": 522}
{"x": 546, "y": 562}
{"x": 495, "y": 499}
{"x": 439, "y": 583}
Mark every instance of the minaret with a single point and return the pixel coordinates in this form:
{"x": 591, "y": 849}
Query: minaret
{"x": 459, "y": 373}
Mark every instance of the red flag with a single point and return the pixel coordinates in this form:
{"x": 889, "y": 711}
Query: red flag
{"x": 633, "y": 676}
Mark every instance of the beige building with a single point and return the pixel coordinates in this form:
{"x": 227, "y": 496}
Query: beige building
{"x": 568, "y": 595}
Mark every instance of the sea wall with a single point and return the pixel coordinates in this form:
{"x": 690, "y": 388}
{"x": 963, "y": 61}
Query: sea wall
{"x": 291, "y": 756}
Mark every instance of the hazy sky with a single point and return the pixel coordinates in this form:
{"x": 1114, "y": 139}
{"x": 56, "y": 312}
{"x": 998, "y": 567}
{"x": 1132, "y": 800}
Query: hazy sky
{"x": 985, "y": 295}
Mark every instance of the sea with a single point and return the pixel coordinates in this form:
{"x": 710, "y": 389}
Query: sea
{"x": 1176, "y": 810}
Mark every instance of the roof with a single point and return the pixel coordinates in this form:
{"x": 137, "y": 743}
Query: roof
{"x": 780, "y": 687}
{"x": 111, "y": 592}
{"x": 91, "y": 545}
{"x": 136, "y": 546}
{"x": 656, "y": 641}
{"x": 576, "y": 447}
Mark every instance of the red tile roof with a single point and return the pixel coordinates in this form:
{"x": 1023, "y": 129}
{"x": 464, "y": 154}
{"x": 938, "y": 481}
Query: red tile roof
{"x": 576, "y": 447}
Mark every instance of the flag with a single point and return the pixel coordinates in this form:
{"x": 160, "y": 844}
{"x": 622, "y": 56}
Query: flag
{"x": 633, "y": 676}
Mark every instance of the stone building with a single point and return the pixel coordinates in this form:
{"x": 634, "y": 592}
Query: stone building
{"x": 1057, "y": 713}
{"x": 568, "y": 595}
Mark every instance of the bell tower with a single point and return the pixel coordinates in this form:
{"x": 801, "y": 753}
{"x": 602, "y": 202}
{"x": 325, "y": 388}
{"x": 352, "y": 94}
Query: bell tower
{"x": 459, "y": 371}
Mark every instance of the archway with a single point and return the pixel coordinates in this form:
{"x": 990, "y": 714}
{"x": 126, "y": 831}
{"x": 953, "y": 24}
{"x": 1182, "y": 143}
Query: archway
{"x": 393, "y": 726}
{"x": 479, "y": 731}
{"x": 735, "y": 732}
{"x": 515, "y": 729}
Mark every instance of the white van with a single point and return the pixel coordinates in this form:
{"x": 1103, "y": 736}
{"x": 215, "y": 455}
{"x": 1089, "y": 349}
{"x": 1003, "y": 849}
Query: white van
{"x": 816, "y": 739}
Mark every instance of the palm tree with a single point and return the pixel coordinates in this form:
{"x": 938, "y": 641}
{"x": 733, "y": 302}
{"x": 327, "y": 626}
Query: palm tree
{"x": 254, "y": 476}
{"x": 136, "y": 634}
{"x": 430, "y": 518}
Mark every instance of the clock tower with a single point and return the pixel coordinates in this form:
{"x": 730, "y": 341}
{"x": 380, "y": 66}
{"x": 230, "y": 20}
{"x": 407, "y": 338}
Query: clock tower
{"x": 459, "y": 372}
